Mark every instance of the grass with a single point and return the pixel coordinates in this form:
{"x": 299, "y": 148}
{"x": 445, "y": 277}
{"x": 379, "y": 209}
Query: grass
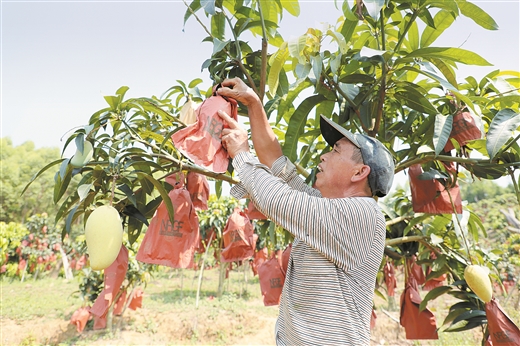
{"x": 46, "y": 297}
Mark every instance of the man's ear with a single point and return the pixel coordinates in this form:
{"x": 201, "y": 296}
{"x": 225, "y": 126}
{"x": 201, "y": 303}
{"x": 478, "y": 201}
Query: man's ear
{"x": 362, "y": 173}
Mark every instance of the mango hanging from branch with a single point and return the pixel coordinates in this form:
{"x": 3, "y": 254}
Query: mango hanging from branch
{"x": 477, "y": 278}
{"x": 104, "y": 236}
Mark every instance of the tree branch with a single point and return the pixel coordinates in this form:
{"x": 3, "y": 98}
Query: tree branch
{"x": 397, "y": 241}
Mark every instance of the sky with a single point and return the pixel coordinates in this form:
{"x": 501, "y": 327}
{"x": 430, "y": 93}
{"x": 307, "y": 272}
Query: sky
{"x": 59, "y": 58}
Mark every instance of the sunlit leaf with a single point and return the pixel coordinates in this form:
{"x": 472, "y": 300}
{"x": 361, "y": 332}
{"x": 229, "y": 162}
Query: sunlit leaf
{"x": 454, "y": 54}
{"x": 291, "y": 6}
{"x": 479, "y": 16}
{"x": 500, "y": 130}
{"x": 83, "y": 191}
{"x": 441, "y": 132}
{"x": 374, "y": 7}
{"x": 443, "y": 20}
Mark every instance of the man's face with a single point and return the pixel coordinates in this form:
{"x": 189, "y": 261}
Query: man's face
{"x": 336, "y": 169}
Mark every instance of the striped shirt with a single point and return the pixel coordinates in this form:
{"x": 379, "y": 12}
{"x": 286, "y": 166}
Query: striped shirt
{"x": 328, "y": 293}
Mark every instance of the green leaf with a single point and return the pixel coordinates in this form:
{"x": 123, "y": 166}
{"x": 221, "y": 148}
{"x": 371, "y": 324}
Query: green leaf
{"x": 434, "y": 293}
{"x": 133, "y": 212}
{"x": 113, "y": 102}
{"x": 340, "y": 40}
{"x": 374, "y": 7}
{"x": 415, "y": 100}
{"x": 296, "y": 47}
{"x": 121, "y": 92}
{"x": 128, "y": 192}
{"x": 469, "y": 315}
{"x": 218, "y": 188}
{"x": 446, "y": 70}
{"x": 441, "y": 132}
{"x": 83, "y": 191}
{"x": 443, "y": 19}
{"x": 62, "y": 182}
{"x": 192, "y": 8}
{"x": 348, "y": 28}
{"x": 277, "y": 61}
{"x": 478, "y": 15}
{"x": 297, "y": 123}
{"x": 162, "y": 192}
{"x": 413, "y": 37}
{"x": 500, "y": 130}
{"x": 291, "y": 6}
{"x": 195, "y": 82}
{"x": 454, "y": 54}
{"x": 209, "y": 6}
{"x": 70, "y": 219}
{"x": 41, "y": 171}
{"x": 490, "y": 172}
{"x": 218, "y": 45}
{"x": 218, "y": 25}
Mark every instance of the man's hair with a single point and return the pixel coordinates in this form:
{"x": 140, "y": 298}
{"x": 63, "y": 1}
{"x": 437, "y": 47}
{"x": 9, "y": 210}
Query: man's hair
{"x": 356, "y": 155}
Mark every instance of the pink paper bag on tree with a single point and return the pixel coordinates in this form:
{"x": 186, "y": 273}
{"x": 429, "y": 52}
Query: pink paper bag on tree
{"x": 198, "y": 187}
{"x": 253, "y": 213}
{"x": 201, "y": 141}
{"x": 430, "y": 196}
{"x": 167, "y": 244}
{"x": 80, "y": 318}
{"x": 272, "y": 279}
{"x": 418, "y": 325}
{"x": 136, "y": 301}
{"x": 502, "y": 330}
{"x": 390, "y": 279}
{"x": 464, "y": 129}
{"x": 259, "y": 258}
{"x": 239, "y": 240}
{"x": 114, "y": 276}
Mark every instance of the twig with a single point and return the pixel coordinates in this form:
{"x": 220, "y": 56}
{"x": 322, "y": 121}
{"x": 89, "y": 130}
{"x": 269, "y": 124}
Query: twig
{"x": 391, "y": 317}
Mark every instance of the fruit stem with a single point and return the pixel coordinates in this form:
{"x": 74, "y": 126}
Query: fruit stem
{"x": 113, "y": 189}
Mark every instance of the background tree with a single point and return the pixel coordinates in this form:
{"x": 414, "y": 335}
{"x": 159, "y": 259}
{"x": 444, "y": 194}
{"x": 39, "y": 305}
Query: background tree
{"x": 19, "y": 165}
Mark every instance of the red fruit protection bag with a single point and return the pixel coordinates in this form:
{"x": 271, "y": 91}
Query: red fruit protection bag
{"x": 201, "y": 142}
{"x": 502, "y": 330}
{"x": 198, "y": 187}
{"x": 239, "y": 240}
{"x": 259, "y": 258}
{"x": 390, "y": 279}
{"x": 272, "y": 279}
{"x": 253, "y": 213}
{"x": 167, "y": 244}
{"x": 114, "y": 276}
{"x": 417, "y": 325}
{"x": 80, "y": 318}
{"x": 430, "y": 196}
{"x": 464, "y": 129}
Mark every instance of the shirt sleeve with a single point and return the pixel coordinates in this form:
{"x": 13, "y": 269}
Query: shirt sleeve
{"x": 344, "y": 230}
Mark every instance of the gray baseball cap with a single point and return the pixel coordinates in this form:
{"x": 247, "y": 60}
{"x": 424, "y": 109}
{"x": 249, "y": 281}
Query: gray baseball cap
{"x": 374, "y": 153}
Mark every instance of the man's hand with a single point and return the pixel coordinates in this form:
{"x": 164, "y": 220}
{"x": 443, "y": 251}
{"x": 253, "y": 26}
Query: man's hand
{"x": 235, "y": 88}
{"x": 234, "y": 138}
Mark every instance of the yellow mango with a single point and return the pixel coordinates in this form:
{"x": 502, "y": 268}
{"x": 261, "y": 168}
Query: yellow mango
{"x": 80, "y": 159}
{"x": 104, "y": 236}
{"x": 478, "y": 280}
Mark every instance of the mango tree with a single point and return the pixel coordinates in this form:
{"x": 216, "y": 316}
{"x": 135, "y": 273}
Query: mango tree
{"x": 381, "y": 74}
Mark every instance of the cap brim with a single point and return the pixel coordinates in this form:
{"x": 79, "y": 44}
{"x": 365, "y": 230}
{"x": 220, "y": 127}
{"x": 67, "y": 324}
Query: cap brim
{"x": 333, "y": 132}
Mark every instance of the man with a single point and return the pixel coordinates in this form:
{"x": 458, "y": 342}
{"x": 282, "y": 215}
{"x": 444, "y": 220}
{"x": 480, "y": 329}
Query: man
{"x": 339, "y": 229}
